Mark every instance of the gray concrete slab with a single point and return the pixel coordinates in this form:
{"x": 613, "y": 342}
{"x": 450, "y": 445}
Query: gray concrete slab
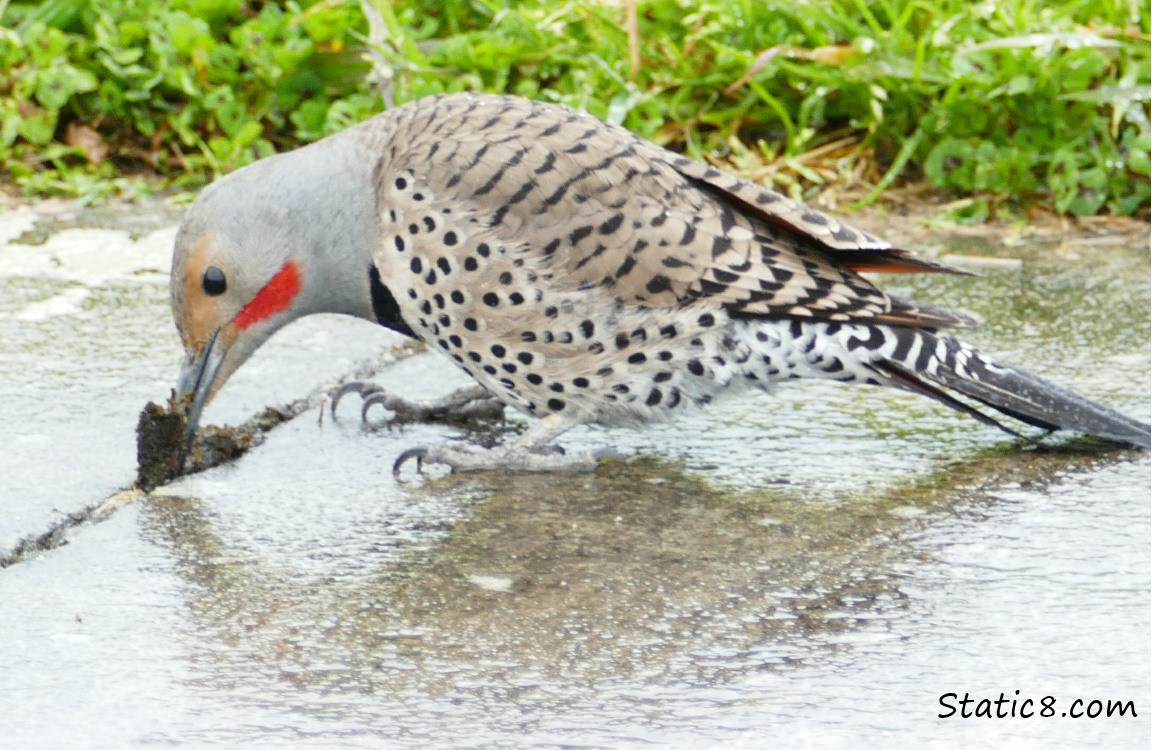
{"x": 813, "y": 569}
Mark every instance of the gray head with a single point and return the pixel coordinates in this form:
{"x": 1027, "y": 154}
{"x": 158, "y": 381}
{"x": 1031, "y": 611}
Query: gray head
{"x": 286, "y": 237}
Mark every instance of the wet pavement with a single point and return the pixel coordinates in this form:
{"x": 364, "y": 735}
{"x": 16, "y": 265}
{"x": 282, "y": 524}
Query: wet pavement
{"x": 813, "y": 569}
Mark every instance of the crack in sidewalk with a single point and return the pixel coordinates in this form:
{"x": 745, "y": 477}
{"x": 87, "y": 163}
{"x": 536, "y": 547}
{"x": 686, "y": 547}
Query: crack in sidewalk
{"x": 258, "y": 425}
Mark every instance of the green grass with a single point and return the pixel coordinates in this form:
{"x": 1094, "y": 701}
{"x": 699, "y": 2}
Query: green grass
{"x": 1012, "y": 103}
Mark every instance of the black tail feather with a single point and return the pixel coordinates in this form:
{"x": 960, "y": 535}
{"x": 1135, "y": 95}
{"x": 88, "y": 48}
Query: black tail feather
{"x": 909, "y": 381}
{"x": 1012, "y": 392}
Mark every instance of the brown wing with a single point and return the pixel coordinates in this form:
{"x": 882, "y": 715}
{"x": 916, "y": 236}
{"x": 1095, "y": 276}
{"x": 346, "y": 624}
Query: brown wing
{"x": 595, "y": 206}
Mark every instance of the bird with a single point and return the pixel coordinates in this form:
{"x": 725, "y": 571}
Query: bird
{"x": 578, "y": 273}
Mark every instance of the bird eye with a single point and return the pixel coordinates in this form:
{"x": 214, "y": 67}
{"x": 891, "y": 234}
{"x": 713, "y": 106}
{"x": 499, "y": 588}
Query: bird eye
{"x": 214, "y": 282}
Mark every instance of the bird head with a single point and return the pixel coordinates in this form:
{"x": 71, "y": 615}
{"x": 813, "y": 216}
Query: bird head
{"x": 283, "y": 238}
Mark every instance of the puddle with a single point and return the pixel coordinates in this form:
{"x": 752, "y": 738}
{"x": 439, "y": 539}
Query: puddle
{"x": 814, "y": 568}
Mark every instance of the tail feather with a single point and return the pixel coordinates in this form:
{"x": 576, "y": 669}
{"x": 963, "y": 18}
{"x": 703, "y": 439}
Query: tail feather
{"x": 1015, "y": 393}
{"x": 908, "y": 380}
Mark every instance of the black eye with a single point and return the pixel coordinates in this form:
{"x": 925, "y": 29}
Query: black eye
{"x": 214, "y": 282}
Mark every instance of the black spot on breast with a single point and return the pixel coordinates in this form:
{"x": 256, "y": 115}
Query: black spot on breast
{"x": 534, "y": 379}
{"x": 658, "y": 283}
{"x": 470, "y": 264}
{"x": 491, "y": 299}
{"x": 610, "y": 226}
{"x": 578, "y": 234}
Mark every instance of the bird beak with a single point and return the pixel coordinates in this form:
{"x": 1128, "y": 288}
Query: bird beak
{"x": 195, "y": 386}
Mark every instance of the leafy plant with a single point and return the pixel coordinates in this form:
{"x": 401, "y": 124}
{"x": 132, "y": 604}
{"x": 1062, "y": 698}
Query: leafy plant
{"x": 1018, "y": 99}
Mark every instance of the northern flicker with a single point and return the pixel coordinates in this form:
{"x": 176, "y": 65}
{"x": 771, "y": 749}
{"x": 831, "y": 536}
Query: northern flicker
{"x": 578, "y": 273}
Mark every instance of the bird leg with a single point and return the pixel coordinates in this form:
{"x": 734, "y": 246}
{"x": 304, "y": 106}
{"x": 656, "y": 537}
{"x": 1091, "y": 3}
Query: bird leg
{"x": 528, "y": 452}
{"x": 461, "y": 406}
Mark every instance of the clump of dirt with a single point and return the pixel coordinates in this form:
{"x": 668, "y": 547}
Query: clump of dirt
{"x": 159, "y": 432}
{"x": 160, "y": 436}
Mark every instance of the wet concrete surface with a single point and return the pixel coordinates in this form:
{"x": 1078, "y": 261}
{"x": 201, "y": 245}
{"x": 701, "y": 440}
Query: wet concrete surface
{"x": 814, "y": 568}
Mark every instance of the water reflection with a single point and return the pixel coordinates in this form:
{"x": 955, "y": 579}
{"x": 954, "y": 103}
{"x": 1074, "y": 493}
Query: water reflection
{"x": 635, "y": 598}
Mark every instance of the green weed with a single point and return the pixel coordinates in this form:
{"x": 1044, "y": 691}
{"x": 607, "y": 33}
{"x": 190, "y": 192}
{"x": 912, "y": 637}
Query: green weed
{"x": 1006, "y": 102}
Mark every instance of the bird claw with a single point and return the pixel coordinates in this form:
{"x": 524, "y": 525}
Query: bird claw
{"x": 418, "y": 453}
{"x": 511, "y": 457}
{"x": 459, "y": 407}
{"x": 376, "y": 397}
{"x": 365, "y": 389}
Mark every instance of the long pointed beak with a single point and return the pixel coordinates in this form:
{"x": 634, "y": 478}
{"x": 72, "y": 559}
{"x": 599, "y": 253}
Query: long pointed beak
{"x": 196, "y": 379}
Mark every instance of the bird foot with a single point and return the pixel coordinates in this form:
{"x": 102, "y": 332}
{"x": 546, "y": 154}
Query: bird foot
{"x": 459, "y": 407}
{"x": 512, "y": 457}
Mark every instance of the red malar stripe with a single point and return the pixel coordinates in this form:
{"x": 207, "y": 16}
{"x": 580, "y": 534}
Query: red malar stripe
{"x": 275, "y": 297}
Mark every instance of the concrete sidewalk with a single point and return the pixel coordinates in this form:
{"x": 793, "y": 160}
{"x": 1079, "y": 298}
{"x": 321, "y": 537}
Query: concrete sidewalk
{"x": 812, "y": 569}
